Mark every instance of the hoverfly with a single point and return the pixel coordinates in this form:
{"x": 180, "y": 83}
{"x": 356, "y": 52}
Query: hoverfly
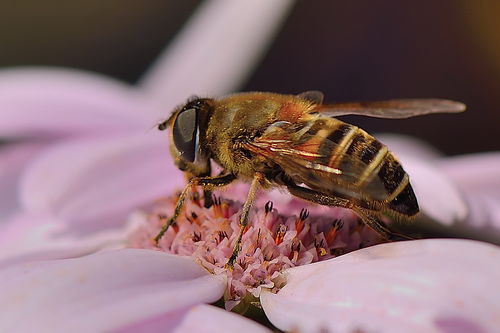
{"x": 293, "y": 141}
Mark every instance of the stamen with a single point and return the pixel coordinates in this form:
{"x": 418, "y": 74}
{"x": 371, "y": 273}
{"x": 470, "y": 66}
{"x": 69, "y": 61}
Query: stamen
{"x": 272, "y": 242}
{"x": 280, "y": 234}
{"x": 222, "y": 235}
{"x": 320, "y": 247}
{"x": 301, "y": 221}
{"x": 196, "y": 237}
{"x": 268, "y": 207}
{"x": 221, "y": 209}
{"x": 331, "y": 234}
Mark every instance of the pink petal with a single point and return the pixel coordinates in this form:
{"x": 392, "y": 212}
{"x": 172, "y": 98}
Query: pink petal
{"x": 204, "y": 318}
{"x": 51, "y": 102}
{"x": 216, "y": 50}
{"x": 198, "y": 319}
{"x": 166, "y": 322}
{"x": 101, "y": 292}
{"x": 34, "y": 237}
{"x": 100, "y": 181}
{"x": 13, "y": 159}
{"x": 478, "y": 177}
{"x": 414, "y": 286}
{"x": 475, "y": 172}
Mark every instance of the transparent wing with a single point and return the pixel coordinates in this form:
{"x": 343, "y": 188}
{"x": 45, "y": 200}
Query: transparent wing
{"x": 303, "y": 162}
{"x": 395, "y": 108}
{"x": 282, "y": 152}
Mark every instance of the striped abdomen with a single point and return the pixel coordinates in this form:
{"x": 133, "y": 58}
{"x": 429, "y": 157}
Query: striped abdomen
{"x": 369, "y": 171}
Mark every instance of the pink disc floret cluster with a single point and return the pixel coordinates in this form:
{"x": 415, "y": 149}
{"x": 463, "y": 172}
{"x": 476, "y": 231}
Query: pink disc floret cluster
{"x": 272, "y": 241}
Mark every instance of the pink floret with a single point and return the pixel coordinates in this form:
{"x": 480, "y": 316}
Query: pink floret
{"x": 272, "y": 242}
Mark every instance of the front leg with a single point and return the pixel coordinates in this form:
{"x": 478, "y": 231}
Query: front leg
{"x": 245, "y": 213}
{"x": 207, "y": 183}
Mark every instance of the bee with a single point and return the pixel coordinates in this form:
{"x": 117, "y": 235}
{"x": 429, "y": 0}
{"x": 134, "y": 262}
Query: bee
{"x": 294, "y": 141}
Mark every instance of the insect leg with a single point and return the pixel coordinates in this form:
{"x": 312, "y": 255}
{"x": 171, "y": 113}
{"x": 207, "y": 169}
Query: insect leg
{"x": 206, "y": 183}
{"x": 378, "y": 226}
{"x": 207, "y": 192}
{"x": 208, "y": 200}
{"x": 330, "y": 200}
{"x": 317, "y": 197}
{"x": 244, "y": 217}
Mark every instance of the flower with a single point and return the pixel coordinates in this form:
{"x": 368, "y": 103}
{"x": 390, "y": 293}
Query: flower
{"x": 412, "y": 286}
{"x": 272, "y": 242}
{"x": 63, "y": 263}
{"x": 373, "y": 288}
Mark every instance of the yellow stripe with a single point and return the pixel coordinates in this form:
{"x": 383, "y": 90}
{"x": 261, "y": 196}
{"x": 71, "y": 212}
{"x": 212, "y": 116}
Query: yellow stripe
{"x": 372, "y": 167}
{"x": 405, "y": 181}
{"x": 339, "y": 152}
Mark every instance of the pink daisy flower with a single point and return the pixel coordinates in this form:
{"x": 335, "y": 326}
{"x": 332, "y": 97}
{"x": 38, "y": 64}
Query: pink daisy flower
{"x": 83, "y": 186}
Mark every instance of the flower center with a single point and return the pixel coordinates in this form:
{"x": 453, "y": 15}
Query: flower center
{"x": 272, "y": 242}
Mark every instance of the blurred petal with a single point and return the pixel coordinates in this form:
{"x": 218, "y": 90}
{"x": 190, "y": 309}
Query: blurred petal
{"x": 438, "y": 197}
{"x": 413, "y": 286}
{"x": 100, "y": 181}
{"x": 198, "y": 319}
{"x": 51, "y": 102}
{"x": 407, "y": 146}
{"x": 217, "y": 49}
{"x": 101, "y": 292}
{"x": 13, "y": 159}
{"x": 478, "y": 177}
{"x": 33, "y": 237}
{"x": 205, "y": 318}
{"x": 475, "y": 174}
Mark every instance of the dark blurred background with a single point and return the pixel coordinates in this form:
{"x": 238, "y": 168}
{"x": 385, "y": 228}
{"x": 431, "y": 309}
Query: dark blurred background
{"x": 350, "y": 50}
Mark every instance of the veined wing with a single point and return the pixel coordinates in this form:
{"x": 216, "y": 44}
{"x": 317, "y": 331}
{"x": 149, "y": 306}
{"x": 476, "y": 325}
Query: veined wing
{"x": 395, "y": 108}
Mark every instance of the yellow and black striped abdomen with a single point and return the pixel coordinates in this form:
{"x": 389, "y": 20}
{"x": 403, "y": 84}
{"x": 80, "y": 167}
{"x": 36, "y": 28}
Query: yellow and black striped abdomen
{"x": 401, "y": 197}
{"x": 368, "y": 170}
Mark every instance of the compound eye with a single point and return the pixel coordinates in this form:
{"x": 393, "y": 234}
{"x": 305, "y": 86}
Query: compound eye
{"x": 185, "y": 133}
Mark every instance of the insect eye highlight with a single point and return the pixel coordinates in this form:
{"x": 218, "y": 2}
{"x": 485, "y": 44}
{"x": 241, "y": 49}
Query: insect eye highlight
{"x": 185, "y": 134}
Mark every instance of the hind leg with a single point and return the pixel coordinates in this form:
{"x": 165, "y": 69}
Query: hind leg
{"x": 379, "y": 226}
{"x": 330, "y": 200}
